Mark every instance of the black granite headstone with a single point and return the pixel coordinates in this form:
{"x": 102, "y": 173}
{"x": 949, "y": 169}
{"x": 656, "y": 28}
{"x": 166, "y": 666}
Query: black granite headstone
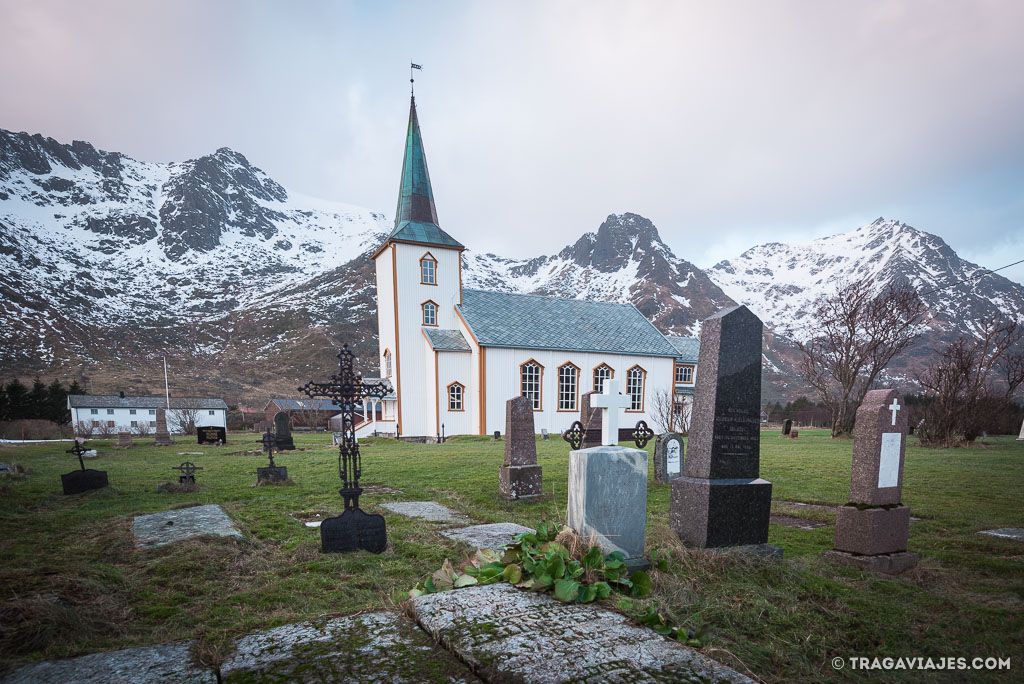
{"x": 211, "y": 434}
{"x": 78, "y": 481}
{"x": 283, "y": 431}
{"x": 354, "y": 530}
{"x": 720, "y": 500}
{"x": 272, "y": 473}
{"x": 497, "y": 435}
{"x": 787, "y": 426}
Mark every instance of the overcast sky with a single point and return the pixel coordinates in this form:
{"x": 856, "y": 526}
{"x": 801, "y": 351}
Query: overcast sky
{"x": 728, "y": 124}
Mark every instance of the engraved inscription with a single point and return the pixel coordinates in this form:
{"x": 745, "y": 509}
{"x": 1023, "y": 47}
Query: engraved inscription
{"x": 889, "y": 460}
{"x": 736, "y": 433}
{"x": 672, "y": 457}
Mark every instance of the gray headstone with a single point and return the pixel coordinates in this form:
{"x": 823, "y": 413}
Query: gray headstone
{"x": 520, "y": 476}
{"x": 543, "y": 433}
{"x": 720, "y": 500}
{"x": 608, "y": 497}
{"x": 283, "y": 431}
{"x": 162, "y": 437}
{"x": 124, "y": 439}
{"x": 668, "y": 457}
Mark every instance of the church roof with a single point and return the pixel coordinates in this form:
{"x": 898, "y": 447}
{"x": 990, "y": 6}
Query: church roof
{"x": 416, "y": 214}
{"x": 446, "y": 340}
{"x": 500, "y": 319}
{"x": 688, "y": 348}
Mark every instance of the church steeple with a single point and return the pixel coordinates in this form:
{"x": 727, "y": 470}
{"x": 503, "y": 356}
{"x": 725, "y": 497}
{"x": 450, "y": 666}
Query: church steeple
{"x": 416, "y": 215}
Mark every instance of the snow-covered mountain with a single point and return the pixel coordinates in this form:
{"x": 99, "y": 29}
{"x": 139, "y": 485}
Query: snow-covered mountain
{"x": 780, "y": 282}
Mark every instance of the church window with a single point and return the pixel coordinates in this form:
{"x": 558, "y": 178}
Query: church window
{"x": 455, "y": 391}
{"x": 429, "y": 313}
{"x": 94, "y": 411}
{"x": 428, "y": 269}
{"x": 635, "y": 388}
{"x": 568, "y": 382}
{"x": 530, "y": 374}
{"x": 684, "y": 374}
{"x": 387, "y": 363}
{"x": 602, "y": 373}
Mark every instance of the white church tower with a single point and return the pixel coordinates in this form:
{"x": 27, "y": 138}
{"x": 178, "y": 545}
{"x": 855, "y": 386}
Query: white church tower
{"x": 419, "y": 284}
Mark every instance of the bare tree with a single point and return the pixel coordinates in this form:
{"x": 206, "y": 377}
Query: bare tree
{"x": 313, "y": 413}
{"x": 661, "y": 410}
{"x": 1013, "y": 371}
{"x": 861, "y": 330}
{"x": 184, "y": 417}
{"x": 958, "y": 390}
{"x": 83, "y": 428}
{"x": 142, "y": 427}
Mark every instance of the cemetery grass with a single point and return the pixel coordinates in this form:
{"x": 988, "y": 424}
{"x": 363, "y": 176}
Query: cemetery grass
{"x": 74, "y": 583}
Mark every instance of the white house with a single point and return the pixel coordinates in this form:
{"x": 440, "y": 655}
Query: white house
{"x": 455, "y": 355}
{"x": 109, "y": 413}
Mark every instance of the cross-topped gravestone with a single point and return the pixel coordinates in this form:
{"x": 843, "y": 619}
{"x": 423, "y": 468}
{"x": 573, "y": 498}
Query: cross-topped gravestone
{"x": 520, "y": 476}
{"x": 187, "y": 472}
{"x": 82, "y": 480}
{"x": 163, "y": 437}
{"x": 872, "y": 530}
{"x": 273, "y": 472}
{"x": 610, "y": 402}
{"x": 721, "y": 500}
{"x": 283, "y": 430}
{"x": 353, "y": 529}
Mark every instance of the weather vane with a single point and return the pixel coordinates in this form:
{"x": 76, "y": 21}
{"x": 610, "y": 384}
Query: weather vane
{"x": 412, "y": 81}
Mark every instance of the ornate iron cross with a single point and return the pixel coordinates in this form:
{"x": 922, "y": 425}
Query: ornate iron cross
{"x": 187, "y": 470}
{"x": 642, "y": 434}
{"x": 346, "y": 389}
{"x": 78, "y": 450}
{"x": 269, "y": 442}
{"x": 574, "y": 435}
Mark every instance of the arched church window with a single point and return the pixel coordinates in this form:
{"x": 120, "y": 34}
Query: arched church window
{"x": 635, "y": 388}
{"x": 428, "y": 269}
{"x": 429, "y": 313}
{"x": 530, "y": 375}
{"x": 568, "y": 384}
{"x": 455, "y": 392}
{"x": 387, "y": 363}
{"x": 602, "y": 373}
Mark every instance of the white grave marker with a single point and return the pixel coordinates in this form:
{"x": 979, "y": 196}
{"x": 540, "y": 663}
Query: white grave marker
{"x": 672, "y": 457}
{"x": 610, "y": 401}
{"x": 889, "y": 459}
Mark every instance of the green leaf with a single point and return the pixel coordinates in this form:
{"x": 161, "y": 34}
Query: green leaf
{"x": 542, "y": 531}
{"x": 694, "y": 643}
{"x": 472, "y": 570}
{"x": 613, "y": 574}
{"x": 530, "y": 565}
{"x": 566, "y": 590}
{"x": 573, "y": 569}
{"x": 511, "y": 555}
{"x": 587, "y": 594}
{"x": 603, "y": 589}
{"x": 465, "y": 581}
{"x": 556, "y": 567}
{"x": 641, "y": 582}
{"x": 527, "y": 538}
{"x": 513, "y": 574}
{"x": 593, "y": 558}
{"x": 526, "y": 584}
{"x": 624, "y": 604}
{"x": 429, "y": 586}
{"x": 542, "y": 582}
{"x": 662, "y": 565}
{"x": 662, "y": 628}
{"x": 413, "y": 593}
{"x": 484, "y": 556}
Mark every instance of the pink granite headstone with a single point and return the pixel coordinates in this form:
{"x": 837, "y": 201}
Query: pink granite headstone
{"x": 520, "y": 476}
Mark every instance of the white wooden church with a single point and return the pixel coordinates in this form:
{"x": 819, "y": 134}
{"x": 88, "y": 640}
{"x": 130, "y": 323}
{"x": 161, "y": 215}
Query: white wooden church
{"x": 456, "y": 355}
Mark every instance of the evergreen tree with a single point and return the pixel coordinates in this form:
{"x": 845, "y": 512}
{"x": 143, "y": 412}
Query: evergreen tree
{"x": 38, "y": 401}
{"x": 57, "y": 404}
{"x": 17, "y": 396}
{"x": 5, "y": 405}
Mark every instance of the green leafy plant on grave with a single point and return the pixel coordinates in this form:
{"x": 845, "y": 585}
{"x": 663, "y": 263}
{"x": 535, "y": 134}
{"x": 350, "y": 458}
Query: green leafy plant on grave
{"x": 537, "y": 561}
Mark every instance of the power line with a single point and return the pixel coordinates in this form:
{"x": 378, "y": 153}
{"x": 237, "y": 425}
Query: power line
{"x": 976, "y": 275}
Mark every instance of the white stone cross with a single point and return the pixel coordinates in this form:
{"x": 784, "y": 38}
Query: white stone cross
{"x": 894, "y": 407}
{"x": 610, "y": 401}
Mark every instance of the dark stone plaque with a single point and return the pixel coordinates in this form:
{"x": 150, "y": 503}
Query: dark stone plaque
{"x": 273, "y": 474}
{"x": 354, "y": 530}
{"x": 787, "y": 426}
{"x": 79, "y": 481}
{"x": 211, "y": 434}
{"x": 283, "y": 431}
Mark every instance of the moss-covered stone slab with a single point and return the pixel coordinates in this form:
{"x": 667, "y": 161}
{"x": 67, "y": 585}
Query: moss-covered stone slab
{"x": 168, "y": 527}
{"x": 1016, "y": 533}
{"x": 427, "y": 510}
{"x": 506, "y": 634}
{"x": 161, "y": 663}
{"x": 377, "y": 647}
{"x": 491, "y": 536}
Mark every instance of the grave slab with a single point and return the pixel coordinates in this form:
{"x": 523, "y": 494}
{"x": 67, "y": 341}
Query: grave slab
{"x": 158, "y": 529}
{"x": 428, "y": 510}
{"x": 379, "y": 647}
{"x": 161, "y": 663}
{"x": 1016, "y": 533}
{"x": 509, "y": 635}
{"x": 493, "y": 536}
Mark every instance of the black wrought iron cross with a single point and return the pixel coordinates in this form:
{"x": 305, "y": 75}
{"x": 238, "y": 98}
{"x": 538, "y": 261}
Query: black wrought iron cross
{"x": 78, "y": 450}
{"x": 642, "y": 434}
{"x": 574, "y": 435}
{"x": 188, "y": 470}
{"x": 269, "y": 442}
{"x": 346, "y": 389}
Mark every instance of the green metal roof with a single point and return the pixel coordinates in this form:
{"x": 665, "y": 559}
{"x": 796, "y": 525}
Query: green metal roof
{"x": 688, "y": 348}
{"x": 416, "y": 214}
{"x": 500, "y": 319}
{"x": 446, "y": 340}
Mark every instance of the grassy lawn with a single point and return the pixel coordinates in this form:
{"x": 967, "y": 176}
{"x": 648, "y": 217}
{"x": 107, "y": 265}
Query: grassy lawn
{"x": 73, "y": 582}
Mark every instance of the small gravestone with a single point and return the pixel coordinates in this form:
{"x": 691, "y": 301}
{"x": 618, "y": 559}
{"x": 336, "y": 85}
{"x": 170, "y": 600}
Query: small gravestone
{"x": 124, "y": 440}
{"x": 668, "y": 457}
{"x": 1020, "y": 438}
{"x": 608, "y": 487}
{"x": 872, "y": 530}
{"x": 544, "y": 434}
{"x": 794, "y": 434}
{"x": 283, "y": 431}
{"x": 78, "y": 481}
{"x": 590, "y": 418}
{"x": 186, "y": 472}
{"x": 212, "y": 434}
{"x": 720, "y": 499}
{"x": 273, "y": 472}
{"x": 787, "y": 426}
{"x": 497, "y": 435}
{"x": 163, "y": 437}
{"x": 336, "y": 439}
{"x": 520, "y": 476}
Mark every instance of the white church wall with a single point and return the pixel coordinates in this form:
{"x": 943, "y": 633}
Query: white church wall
{"x": 503, "y": 383}
{"x": 456, "y": 367}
